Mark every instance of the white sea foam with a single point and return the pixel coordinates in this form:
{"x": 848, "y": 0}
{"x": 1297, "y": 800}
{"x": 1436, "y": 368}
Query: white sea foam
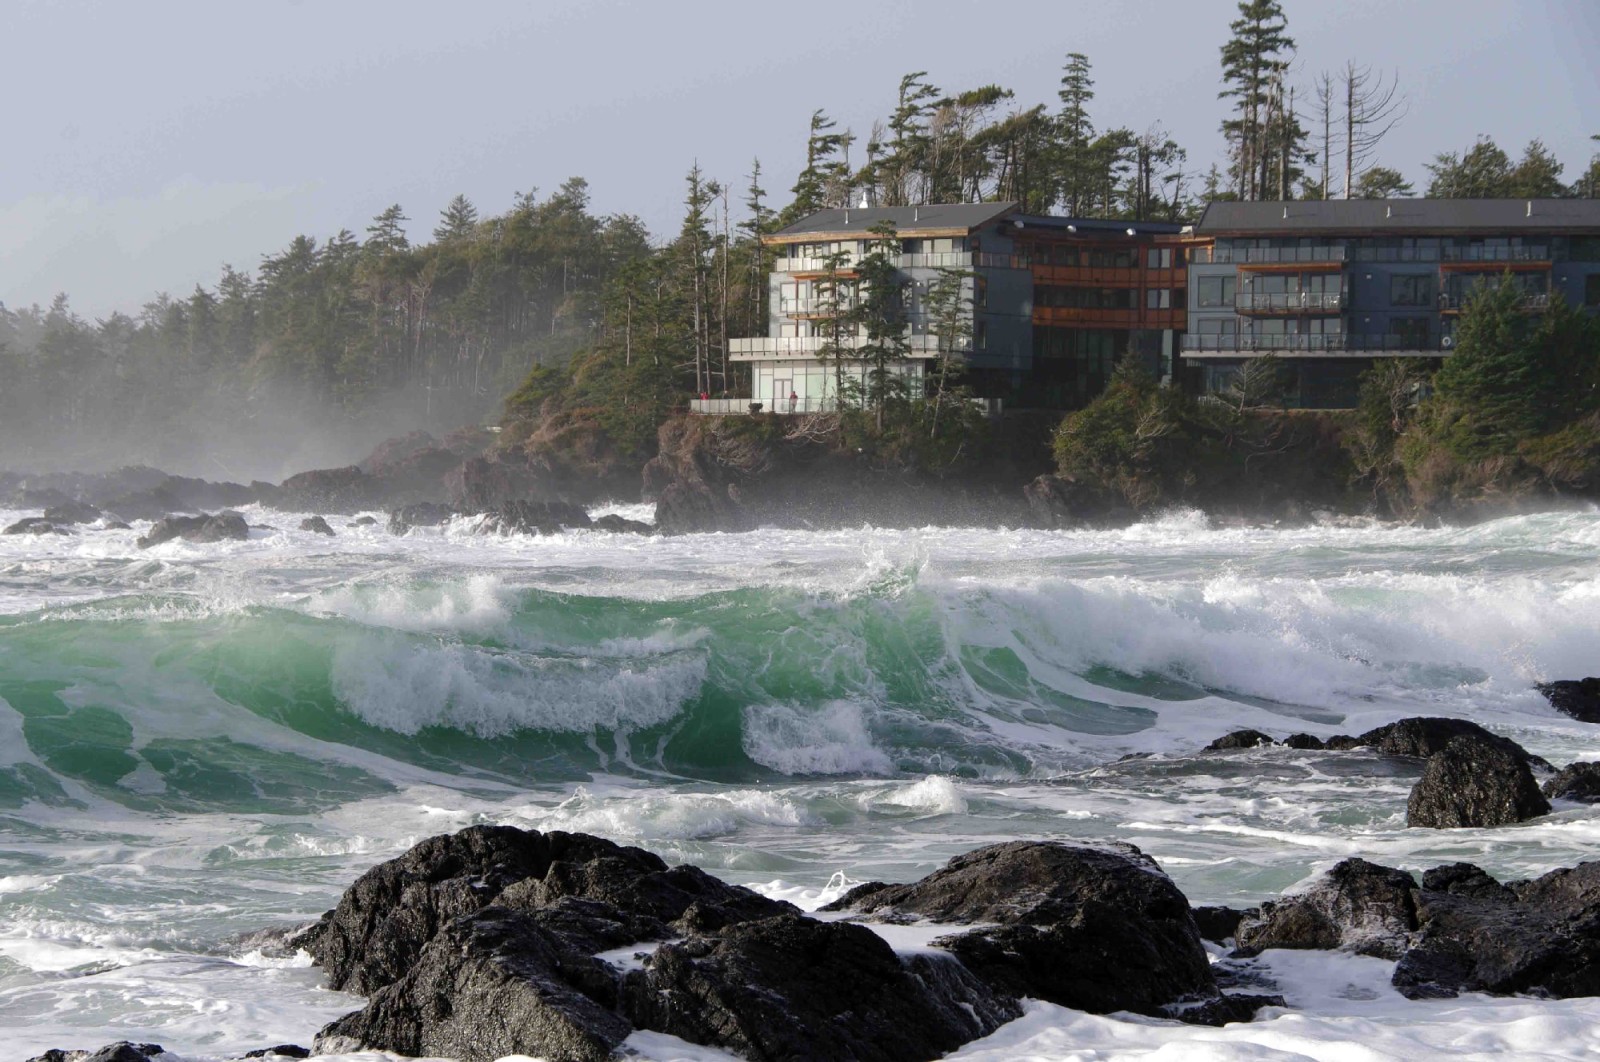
{"x": 831, "y": 738}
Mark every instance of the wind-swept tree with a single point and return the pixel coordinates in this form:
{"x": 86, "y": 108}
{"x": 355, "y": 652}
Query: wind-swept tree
{"x": 1254, "y": 62}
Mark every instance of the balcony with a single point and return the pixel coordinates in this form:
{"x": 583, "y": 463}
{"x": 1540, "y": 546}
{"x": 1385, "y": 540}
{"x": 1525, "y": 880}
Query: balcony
{"x": 1309, "y": 346}
{"x": 944, "y": 260}
{"x": 1290, "y": 302}
{"x": 1456, "y": 301}
{"x": 725, "y": 407}
{"x": 1268, "y": 255}
{"x": 815, "y": 307}
{"x": 769, "y": 348}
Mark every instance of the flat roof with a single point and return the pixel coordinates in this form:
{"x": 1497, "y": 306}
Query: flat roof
{"x": 1336, "y": 216}
{"x": 927, "y": 219}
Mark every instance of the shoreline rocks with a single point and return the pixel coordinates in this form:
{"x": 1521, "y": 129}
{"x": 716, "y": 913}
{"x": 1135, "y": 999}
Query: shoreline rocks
{"x": 1579, "y": 698}
{"x": 1472, "y": 782}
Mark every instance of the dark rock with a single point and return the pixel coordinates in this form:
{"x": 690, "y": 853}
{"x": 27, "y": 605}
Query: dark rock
{"x": 1217, "y": 924}
{"x": 72, "y": 513}
{"x": 1474, "y": 782}
{"x": 37, "y": 498}
{"x": 692, "y": 508}
{"x": 121, "y": 1051}
{"x": 384, "y": 920}
{"x": 1240, "y": 739}
{"x": 613, "y": 522}
{"x": 1539, "y": 937}
{"x": 1304, "y": 741}
{"x": 317, "y": 525}
{"x": 1224, "y": 1009}
{"x": 1357, "y": 905}
{"x": 1056, "y": 502}
{"x": 115, "y": 525}
{"x": 1422, "y": 736}
{"x": 498, "y": 478}
{"x": 1465, "y": 879}
{"x": 1342, "y": 743}
{"x": 35, "y": 525}
{"x": 534, "y": 518}
{"x": 331, "y": 490}
{"x": 148, "y": 504}
{"x": 364, "y": 521}
{"x": 793, "y": 987}
{"x": 423, "y": 514}
{"x": 490, "y": 984}
{"x": 1579, "y": 698}
{"x": 1576, "y": 781}
{"x": 224, "y": 526}
{"x": 393, "y": 453}
{"x": 1096, "y": 929}
{"x": 281, "y": 1051}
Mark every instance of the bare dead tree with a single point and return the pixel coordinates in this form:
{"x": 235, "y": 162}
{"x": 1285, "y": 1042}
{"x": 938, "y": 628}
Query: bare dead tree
{"x": 1323, "y": 87}
{"x": 1371, "y": 109}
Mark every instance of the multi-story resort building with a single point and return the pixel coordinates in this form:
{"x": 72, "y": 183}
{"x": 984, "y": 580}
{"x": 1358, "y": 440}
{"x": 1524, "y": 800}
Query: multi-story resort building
{"x": 1325, "y": 286}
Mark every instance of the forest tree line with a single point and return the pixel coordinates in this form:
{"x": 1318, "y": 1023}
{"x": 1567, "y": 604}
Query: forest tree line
{"x": 587, "y": 318}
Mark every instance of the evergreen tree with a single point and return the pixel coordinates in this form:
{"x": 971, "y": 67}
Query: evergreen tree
{"x": 1380, "y": 182}
{"x": 1254, "y": 62}
{"x": 1482, "y": 172}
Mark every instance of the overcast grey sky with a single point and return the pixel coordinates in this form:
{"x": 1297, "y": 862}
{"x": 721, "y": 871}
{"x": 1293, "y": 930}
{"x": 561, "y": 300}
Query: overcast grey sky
{"x": 148, "y": 143}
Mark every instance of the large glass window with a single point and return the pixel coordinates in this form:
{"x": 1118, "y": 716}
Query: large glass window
{"x": 1411, "y": 332}
{"x": 1216, "y": 291}
{"x": 1591, "y": 290}
{"x": 1411, "y": 289}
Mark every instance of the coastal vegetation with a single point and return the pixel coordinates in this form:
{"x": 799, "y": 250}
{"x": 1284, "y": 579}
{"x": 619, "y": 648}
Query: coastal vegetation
{"x": 583, "y": 332}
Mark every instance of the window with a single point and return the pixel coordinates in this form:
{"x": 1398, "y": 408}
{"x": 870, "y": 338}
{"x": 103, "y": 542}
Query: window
{"x": 1158, "y": 298}
{"x": 1159, "y": 258}
{"x": 980, "y": 335}
{"x": 981, "y": 292}
{"x": 1407, "y": 289}
{"x": 1591, "y": 290}
{"x": 1411, "y": 332}
{"x": 1216, "y": 291}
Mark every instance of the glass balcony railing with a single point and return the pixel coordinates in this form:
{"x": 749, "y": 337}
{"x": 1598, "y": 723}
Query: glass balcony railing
{"x": 1290, "y": 302}
{"x": 943, "y": 260}
{"x": 1457, "y": 300}
{"x": 1222, "y": 255}
{"x": 1268, "y": 255}
{"x": 1333, "y": 344}
{"x": 922, "y": 346}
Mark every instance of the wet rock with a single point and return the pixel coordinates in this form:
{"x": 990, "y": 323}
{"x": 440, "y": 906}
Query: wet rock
{"x": 218, "y": 527}
{"x": 1540, "y": 937}
{"x": 1357, "y": 905}
{"x": 121, "y": 1051}
{"x": 1465, "y": 879}
{"x": 1473, "y": 782}
{"x": 364, "y": 521}
{"x": 1304, "y": 741}
{"x": 389, "y": 914}
{"x": 1217, "y": 924}
{"x": 1342, "y": 743}
{"x": 280, "y": 1051}
{"x": 331, "y": 490}
{"x": 622, "y": 525}
{"x": 534, "y": 518}
{"x": 1093, "y": 928}
{"x": 1240, "y": 739}
{"x": 692, "y": 507}
{"x": 35, "y": 525}
{"x": 317, "y": 525}
{"x": 1422, "y": 736}
{"x": 498, "y": 478}
{"x": 1579, "y": 698}
{"x": 72, "y": 513}
{"x": 490, "y": 984}
{"x": 794, "y": 987}
{"x": 423, "y": 514}
{"x": 1062, "y": 502}
{"x": 1224, "y": 1009}
{"x": 1577, "y": 781}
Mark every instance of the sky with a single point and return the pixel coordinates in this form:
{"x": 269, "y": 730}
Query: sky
{"x": 147, "y": 144}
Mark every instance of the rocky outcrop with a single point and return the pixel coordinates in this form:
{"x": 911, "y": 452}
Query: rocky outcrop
{"x": 423, "y": 514}
{"x": 217, "y": 527}
{"x": 316, "y": 525}
{"x": 331, "y": 490}
{"x": 74, "y": 512}
{"x": 1217, "y": 924}
{"x": 1096, "y": 929}
{"x": 1357, "y": 906}
{"x": 1576, "y": 781}
{"x": 791, "y": 987}
{"x": 1474, "y": 782}
{"x": 1240, "y": 739}
{"x": 1538, "y": 937}
{"x": 121, "y": 1051}
{"x": 35, "y": 525}
{"x": 1579, "y": 698}
{"x": 1059, "y": 502}
{"x": 534, "y": 518}
{"x": 497, "y": 941}
{"x": 622, "y": 525}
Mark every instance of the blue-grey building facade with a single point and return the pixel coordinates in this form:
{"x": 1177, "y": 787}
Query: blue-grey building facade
{"x": 1328, "y": 286}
